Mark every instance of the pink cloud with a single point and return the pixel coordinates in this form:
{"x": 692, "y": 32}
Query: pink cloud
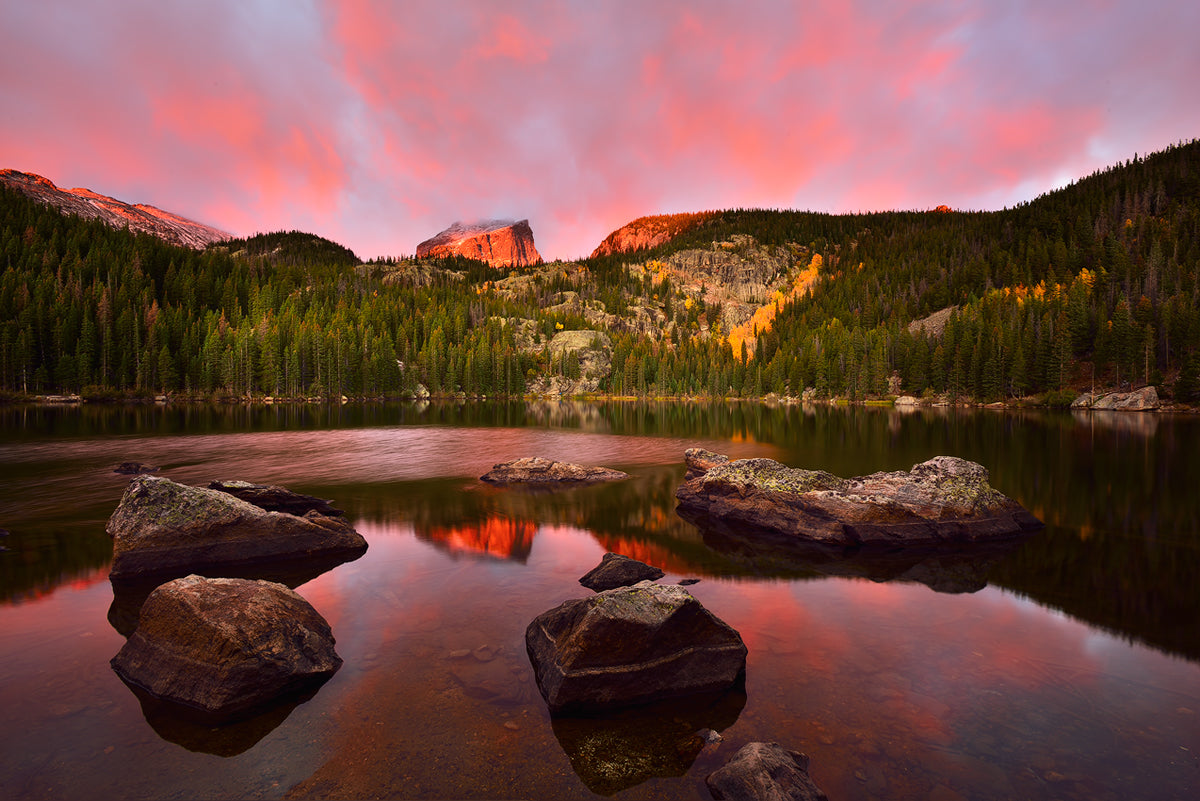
{"x": 377, "y": 124}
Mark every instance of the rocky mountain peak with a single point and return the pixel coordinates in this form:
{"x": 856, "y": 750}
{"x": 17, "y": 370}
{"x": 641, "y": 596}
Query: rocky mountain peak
{"x": 94, "y": 206}
{"x": 500, "y": 243}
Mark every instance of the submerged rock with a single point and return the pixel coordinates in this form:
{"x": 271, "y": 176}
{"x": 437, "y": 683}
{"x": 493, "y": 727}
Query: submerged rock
{"x": 226, "y": 647}
{"x": 629, "y": 646}
{"x": 943, "y": 500}
{"x": 276, "y": 499}
{"x": 764, "y": 772}
{"x": 536, "y": 470}
{"x": 134, "y": 468}
{"x": 616, "y": 570}
{"x": 169, "y": 529}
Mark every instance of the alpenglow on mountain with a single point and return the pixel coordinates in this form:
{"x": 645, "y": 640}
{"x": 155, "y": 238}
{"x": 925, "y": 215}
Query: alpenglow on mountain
{"x": 500, "y": 243}
{"x": 90, "y": 205}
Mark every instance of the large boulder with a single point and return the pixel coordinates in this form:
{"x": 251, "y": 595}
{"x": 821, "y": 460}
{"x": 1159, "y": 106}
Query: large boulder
{"x": 536, "y": 470}
{"x": 162, "y": 528}
{"x": 1139, "y": 400}
{"x": 629, "y": 646}
{"x": 943, "y": 500}
{"x": 225, "y": 648}
{"x": 616, "y": 570}
{"x": 764, "y": 772}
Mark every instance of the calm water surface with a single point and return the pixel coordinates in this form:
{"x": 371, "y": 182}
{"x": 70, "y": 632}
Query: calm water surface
{"x": 1066, "y": 666}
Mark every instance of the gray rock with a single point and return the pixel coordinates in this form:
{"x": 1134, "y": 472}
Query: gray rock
{"x": 616, "y": 570}
{"x": 536, "y": 470}
{"x": 764, "y": 772}
{"x": 629, "y": 646}
{"x": 162, "y": 528}
{"x": 943, "y": 500}
{"x": 276, "y": 499}
{"x": 906, "y": 400}
{"x": 1139, "y": 400}
{"x": 225, "y": 648}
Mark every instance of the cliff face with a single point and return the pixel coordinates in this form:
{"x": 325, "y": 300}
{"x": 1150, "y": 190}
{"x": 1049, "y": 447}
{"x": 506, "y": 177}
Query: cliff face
{"x": 92, "y": 206}
{"x": 500, "y": 243}
{"x": 648, "y": 232}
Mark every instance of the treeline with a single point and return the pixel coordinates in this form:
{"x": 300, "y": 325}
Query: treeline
{"x": 1097, "y": 283}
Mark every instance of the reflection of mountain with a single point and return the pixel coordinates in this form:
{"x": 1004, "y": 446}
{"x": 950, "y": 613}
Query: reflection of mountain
{"x": 495, "y": 536}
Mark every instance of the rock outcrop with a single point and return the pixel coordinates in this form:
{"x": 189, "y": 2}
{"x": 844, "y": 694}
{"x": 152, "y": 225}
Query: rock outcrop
{"x": 764, "y": 772}
{"x": 92, "y": 206}
{"x": 649, "y": 232}
{"x": 616, "y": 570}
{"x": 500, "y": 243}
{"x": 943, "y": 500}
{"x": 578, "y": 362}
{"x": 1139, "y": 400}
{"x": 276, "y": 499}
{"x": 536, "y": 470}
{"x": 166, "y": 529}
{"x": 630, "y": 646}
{"x": 226, "y": 647}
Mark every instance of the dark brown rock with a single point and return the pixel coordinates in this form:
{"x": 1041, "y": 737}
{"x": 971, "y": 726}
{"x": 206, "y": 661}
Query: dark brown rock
{"x": 500, "y": 243}
{"x": 162, "y": 528}
{"x": 224, "y": 648}
{"x": 764, "y": 772}
{"x": 134, "y": 468}
{"x": 943, "y": 500}
{"x": 536, "y": 470}
{"x": 616, "y": 570}
{"x": 629, "y": 646}
{"x": 276, "y": 499}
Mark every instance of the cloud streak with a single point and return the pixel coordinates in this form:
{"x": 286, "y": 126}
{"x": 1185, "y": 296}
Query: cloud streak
{"x": 377, "y": 124}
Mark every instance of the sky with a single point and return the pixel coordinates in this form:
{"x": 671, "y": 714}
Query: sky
{"x": 378, "y": 123}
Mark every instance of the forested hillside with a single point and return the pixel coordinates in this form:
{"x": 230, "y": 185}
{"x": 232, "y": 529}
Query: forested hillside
{"x": 1097, "y": 282}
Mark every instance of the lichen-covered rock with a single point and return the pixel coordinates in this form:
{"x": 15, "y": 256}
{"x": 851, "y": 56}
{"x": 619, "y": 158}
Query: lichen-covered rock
{"x": 162, "y": 528}
{"x": 945, "y": 499}
{"x": 276, "y": 499}
{"x": 536, "y": 470}
{"x": 629, "y": 646}
{"x": 1138, "y": 400}
{"x": 616, "y": 570}
{"x": 226, "y": 647}
{"x": 764, "y": 772}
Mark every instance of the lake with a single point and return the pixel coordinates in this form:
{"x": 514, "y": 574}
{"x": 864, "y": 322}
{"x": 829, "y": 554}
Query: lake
{"x": 1063, "y": 666}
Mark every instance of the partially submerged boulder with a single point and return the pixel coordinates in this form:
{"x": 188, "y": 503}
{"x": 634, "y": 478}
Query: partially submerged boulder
{"x": 276, "y": 499}
{"x": 616, "y": 570}
{"x": 134, "y": 468}
{"x": 629, "y": 646}
{"x": 943, "y": 500}
{"x": 224, "y": 648}
{"x": 162, "y": 528}
{"x": 536, "y": 470}
{"x": 1139, "y": 400}
{"x": 764, "y": 772}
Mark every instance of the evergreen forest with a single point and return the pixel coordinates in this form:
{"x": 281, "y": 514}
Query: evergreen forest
{"x": 1093, "y": 285}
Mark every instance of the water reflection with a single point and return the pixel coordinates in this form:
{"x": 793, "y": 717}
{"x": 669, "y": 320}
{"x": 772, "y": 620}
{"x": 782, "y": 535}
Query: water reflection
{"x": 624, "y": 749}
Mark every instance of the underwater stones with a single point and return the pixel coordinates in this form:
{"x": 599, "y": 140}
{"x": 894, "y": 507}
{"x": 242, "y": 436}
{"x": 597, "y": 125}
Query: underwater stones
{"x": 224, "y": 648}
{"x": 943, "y": 500}
{"x": 616, "y": 570}
{"x": 629, "y": 646}
{"x": 764, "y": 772}
{"x": 161, "y": 528}
{"x": 536, "y": 470}
{"x": 276, "y": 499}
{"x": 134, "y": 468}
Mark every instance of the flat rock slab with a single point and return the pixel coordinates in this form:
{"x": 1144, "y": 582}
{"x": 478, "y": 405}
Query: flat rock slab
{"x": 630, "y": 646}
{"x": 276, "y": 499}
{"x": 943, "y": 500}
{"x": 764, "y": 772}
{"x": 536, "y": 470}
{"x": 224, "y": 648}
{"x": 616, "y": 570}
{"x": 162, "y": 528}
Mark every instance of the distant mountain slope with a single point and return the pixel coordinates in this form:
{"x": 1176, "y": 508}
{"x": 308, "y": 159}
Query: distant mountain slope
{"x": 92, "y": 206}
{"x": 649, "y": 232}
